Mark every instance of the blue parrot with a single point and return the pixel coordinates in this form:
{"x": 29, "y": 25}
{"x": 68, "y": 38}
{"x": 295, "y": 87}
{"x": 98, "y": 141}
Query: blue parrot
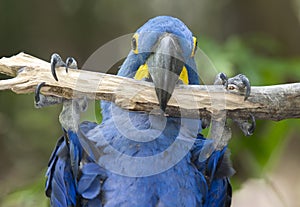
{"x": 139, "y": 159}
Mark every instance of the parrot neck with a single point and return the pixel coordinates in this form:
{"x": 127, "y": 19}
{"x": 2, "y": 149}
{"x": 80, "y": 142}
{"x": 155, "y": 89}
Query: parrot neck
{"x": 135, "y": 124}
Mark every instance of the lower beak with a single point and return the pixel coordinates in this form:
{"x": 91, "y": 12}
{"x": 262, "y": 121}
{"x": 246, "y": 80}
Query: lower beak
{"x": 165, "y": 65}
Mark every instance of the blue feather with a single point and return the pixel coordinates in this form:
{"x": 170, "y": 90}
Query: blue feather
{"x": 90, "y": 181}
{"x": 60, "y": 184}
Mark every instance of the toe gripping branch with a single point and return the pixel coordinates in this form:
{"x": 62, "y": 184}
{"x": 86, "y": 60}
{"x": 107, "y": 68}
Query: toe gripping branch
{"x": 247, "y": 126}
{"x": 56, "y": 61}
{"x": 37, "y": 92}
{"x": 239, "y": 83}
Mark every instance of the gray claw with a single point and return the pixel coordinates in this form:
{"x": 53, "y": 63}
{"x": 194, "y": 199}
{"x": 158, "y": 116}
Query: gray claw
{"x": 71, "y": 63}
{"x": 248, "y": 86}
{"x": 252, "y": 126}
{"x": 56, "y": 61}
{"x": 247, "y": 126}
{"x": 221, "y": 79}
{"x": 37, "y": 92}
{"x": 241, "y": 84}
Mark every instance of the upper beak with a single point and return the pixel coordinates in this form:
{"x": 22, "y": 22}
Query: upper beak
{"x": 165, "y": 65}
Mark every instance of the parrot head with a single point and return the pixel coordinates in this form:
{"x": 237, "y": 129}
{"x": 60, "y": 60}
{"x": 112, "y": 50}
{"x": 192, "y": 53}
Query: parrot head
{"x": 162, "y": 51}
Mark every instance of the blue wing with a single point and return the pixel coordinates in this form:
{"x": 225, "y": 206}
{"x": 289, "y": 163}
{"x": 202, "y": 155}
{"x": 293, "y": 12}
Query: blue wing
{"x": 217, "y": 170}
{"x": 66, "y": 184}
{"x": 60, "y": 184}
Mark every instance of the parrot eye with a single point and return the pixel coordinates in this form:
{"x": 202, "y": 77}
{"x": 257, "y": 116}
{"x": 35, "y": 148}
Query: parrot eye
{"x": 195, "y": 44}
{"x": 134, "y": 43}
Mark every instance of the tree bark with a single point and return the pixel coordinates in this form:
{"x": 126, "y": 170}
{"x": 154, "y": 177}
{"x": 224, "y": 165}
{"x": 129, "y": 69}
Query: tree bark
{"x": 265, "y": 102}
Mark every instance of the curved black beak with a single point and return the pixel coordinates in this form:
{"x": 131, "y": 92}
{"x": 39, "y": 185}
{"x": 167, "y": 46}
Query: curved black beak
{"x": 165, "y": 65}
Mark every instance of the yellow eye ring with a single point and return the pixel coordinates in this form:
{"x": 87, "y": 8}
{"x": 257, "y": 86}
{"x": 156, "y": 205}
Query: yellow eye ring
{"x": 134, "y": 43}
{"x": 194, "y": 49}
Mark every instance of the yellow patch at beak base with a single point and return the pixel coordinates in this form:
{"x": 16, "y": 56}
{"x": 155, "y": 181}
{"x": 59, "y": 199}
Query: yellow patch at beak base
{"x": 142, "y": 72}
{"x": 184, "y": 76}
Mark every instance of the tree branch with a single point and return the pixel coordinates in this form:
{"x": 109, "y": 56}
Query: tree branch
{"x": 267, "y": 102}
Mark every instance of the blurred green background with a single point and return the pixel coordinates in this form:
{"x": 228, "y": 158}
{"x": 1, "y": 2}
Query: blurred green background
{"x": 260, "y": 39}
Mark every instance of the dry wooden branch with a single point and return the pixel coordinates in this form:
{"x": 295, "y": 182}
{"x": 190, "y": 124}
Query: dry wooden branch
{"x": 267, "y": 102}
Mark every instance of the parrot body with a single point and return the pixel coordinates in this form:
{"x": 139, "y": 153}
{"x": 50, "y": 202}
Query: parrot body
{"x": 135, "y": 159}
{"x": 182, "y": 182}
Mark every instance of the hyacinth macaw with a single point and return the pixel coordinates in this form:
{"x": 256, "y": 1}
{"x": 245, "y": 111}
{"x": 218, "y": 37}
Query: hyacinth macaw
{"x": 139, "y": 159}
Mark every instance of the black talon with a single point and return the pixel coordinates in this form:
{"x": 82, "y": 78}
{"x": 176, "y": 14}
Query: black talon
{"x": 253, "y": 125}
{"x": 224, "y": 80}
{"x": 71, "y": 63}
{"x": 246, "y": 82}
{"x": 221, "y": 79}
{"x": 38, "y": 91}
{"x": 247, "y": 126}
{"x": 56, "y": 61}
{"x": 68, "y": 63}
{"x": 53, "y": 66}
{"x": 240, "y": 83}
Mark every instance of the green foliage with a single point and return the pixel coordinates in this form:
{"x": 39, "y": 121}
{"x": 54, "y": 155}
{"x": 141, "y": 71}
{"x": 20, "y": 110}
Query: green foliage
{"x": 93, "y": 112}
{"x": 32, "y": 195}
{"x": 98, "y": 113}
{"x": 257, "y": 57}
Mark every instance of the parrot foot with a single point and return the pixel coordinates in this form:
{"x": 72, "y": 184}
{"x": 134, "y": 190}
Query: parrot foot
{"x": 70, "y": 114}
{"x": 239, "y": 84}
{"x": 41, "y": 100}
{"x": 56, "y": 61}
{"x": 247, "y": 126}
